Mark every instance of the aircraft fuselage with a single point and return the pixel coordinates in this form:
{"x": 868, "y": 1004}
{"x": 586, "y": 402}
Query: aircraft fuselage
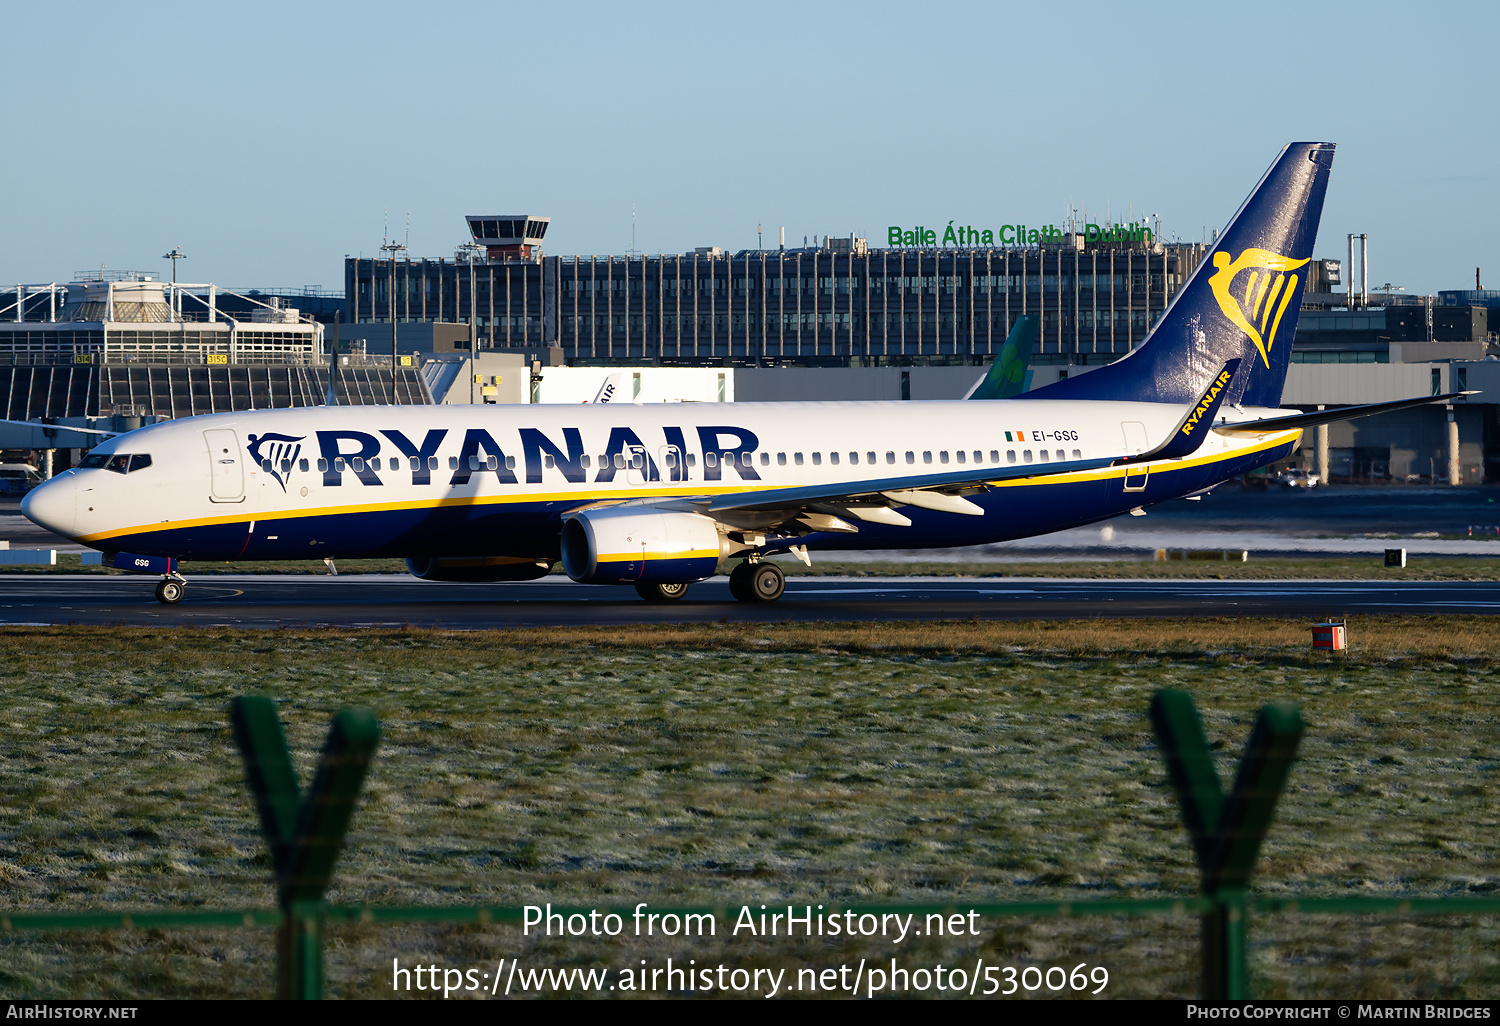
{"x": 415, "y": 481}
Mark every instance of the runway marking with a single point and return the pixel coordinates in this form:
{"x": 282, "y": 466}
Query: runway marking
{"x": 913, "y": 588}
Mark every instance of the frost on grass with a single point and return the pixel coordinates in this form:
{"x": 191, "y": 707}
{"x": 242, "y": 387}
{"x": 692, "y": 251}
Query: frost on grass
{"x": 928, "y": 763}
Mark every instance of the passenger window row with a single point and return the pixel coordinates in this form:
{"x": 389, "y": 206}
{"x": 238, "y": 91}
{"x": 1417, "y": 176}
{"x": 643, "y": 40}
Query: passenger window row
{"x": 285, "y": 466}
{"x": 123, "y": 464}
{"x": 1042, "y": 456}
{"x": 941, "y": 456}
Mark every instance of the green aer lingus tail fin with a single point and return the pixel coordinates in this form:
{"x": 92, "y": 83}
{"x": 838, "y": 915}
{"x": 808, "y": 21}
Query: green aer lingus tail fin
{"x": 1010, "y": 374}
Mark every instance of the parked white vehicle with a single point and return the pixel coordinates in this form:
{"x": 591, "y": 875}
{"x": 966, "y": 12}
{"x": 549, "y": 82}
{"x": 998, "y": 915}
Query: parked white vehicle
{"x": 1296, "y": 477}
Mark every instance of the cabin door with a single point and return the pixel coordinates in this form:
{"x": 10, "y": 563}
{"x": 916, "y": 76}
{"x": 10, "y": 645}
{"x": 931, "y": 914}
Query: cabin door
{"x": 226, "y": 466}
{"x": 1135, "y": 444}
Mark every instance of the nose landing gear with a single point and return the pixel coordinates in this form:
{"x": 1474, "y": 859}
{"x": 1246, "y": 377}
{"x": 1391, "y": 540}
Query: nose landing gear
{"x": 757, "y": 582}
{"x": 169, "y": 590}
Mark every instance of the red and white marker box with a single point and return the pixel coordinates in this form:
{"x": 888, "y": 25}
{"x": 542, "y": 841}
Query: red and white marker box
{"x": 1329, "y": 636}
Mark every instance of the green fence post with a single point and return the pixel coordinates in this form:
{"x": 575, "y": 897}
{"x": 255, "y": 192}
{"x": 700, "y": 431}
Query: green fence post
{"x": 305, "y": 836}
{"x": 1246, "y": 817}
{"x": 324, "y": 818}
{"x": 299, "y": 952}
{"x": 269, "y": 772}
{"x": 1227, "y": 831}
{"x": 1225, "y": 976}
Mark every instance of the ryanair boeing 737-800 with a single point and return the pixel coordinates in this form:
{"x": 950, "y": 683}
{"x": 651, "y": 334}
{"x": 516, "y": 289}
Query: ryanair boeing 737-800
{"x": 656, "y": 496}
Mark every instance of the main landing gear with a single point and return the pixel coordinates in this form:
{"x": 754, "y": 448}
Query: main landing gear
{"x": 169, "y": 590}
{"x": 672, "y": 592}
{"x": 757, "y": 582}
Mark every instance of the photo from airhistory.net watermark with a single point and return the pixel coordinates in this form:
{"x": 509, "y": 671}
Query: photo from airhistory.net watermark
{"x": 898, "y": 973}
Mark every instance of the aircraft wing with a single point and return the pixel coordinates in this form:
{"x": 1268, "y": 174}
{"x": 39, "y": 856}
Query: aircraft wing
{"x": 820, "y": 506}
{"x": 903, "y": 490}
{"x": 1302, "y": 420}
{"x": 824, "y": 507}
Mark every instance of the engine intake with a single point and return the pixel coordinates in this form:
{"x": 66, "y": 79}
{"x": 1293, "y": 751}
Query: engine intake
{"x": 632, "y": 545}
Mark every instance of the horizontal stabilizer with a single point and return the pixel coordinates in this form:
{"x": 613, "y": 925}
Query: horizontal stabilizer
{"x": 1302, "y": 420}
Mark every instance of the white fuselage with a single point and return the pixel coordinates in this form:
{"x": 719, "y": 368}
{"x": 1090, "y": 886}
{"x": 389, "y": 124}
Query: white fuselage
{"x": 474, "y": 480}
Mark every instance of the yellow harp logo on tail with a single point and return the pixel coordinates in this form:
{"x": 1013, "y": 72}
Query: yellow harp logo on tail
{"x": 1266, "y": 293}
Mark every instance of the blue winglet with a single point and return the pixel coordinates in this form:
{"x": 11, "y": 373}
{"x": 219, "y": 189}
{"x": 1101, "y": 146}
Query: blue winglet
{"x": 1195, "y": 427}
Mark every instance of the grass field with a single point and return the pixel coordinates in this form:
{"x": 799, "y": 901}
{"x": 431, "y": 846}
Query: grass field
{"x": 728, "y": 764}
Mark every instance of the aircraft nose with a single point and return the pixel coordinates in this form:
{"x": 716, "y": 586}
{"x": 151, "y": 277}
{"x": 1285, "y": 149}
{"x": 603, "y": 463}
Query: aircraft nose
{"x": 53, "y": 505}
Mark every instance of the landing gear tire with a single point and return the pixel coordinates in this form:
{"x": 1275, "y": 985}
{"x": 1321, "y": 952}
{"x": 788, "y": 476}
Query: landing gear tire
{"x": 169, "y": 591}
{"x": 672, "y": 592}
{"x": 757, "y": 582}
{"x": 739, "y": 582}
{"x": 767, "y": 582}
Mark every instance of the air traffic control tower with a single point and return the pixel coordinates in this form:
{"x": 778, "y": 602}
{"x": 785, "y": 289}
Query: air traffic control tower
{"x": 509, "y": 236}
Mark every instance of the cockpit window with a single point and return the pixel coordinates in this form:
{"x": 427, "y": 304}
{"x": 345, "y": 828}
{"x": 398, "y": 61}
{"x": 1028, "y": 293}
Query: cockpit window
{"x": 119, "y": 462}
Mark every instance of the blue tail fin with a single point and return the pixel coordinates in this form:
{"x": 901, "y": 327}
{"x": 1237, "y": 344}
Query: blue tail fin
{"x": 1010, "y": 374}
{"x": 1241, "y": 302}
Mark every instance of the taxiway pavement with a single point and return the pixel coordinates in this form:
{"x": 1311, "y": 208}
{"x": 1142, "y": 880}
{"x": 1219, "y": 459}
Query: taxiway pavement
{"x": 390, "y": 601}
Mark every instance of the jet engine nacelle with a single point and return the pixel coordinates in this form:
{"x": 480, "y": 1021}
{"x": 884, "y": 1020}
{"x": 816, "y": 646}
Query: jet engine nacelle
{"x": 633, "y": 545}
{"x": 479, "y": 568}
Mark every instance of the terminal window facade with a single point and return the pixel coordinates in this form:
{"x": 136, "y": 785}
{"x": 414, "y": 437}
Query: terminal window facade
{"x": 806, "y": 306}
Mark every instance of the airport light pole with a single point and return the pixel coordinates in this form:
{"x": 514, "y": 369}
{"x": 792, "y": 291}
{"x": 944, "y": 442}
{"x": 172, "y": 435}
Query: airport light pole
{"x": 175, "y": 255}
{"x": 474, "y": 327}
{"x": 390, "y": 303}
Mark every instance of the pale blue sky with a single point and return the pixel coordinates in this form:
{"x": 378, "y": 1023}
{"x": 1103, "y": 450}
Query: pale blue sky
{"x": 268, "y": 139}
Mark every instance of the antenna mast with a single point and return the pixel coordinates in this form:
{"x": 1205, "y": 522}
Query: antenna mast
{"x": 391, "y": 249}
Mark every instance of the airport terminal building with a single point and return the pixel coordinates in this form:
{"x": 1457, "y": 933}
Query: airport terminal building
{"x": 109, "y": 316}
{"x": 838, "y": 303}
